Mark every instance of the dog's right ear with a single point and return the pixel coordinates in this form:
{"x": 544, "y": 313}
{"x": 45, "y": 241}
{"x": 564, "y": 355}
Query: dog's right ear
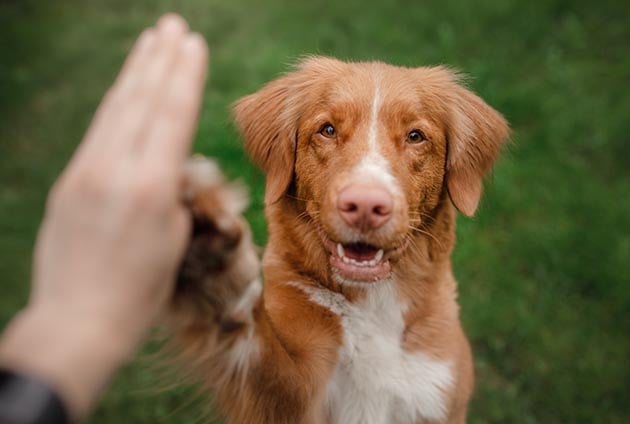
{"x": 268, "y": 123}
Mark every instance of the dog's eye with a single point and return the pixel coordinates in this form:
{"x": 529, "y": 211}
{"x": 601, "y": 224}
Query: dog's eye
{"x": 328, "y": 131}
{"x": 416, "y": 136}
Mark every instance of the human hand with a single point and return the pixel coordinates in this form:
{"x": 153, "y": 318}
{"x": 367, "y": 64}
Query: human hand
{"x": 115, "y": 228}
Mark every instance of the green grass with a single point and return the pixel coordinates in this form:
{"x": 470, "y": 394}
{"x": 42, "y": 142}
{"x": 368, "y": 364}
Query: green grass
{"x": 544, "y": 269}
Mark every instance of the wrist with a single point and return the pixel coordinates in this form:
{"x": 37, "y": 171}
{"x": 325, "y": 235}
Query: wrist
{"x": 75, "y": 354}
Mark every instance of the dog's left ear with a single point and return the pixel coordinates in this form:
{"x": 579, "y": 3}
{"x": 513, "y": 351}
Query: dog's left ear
{"x": 475, "y": 135}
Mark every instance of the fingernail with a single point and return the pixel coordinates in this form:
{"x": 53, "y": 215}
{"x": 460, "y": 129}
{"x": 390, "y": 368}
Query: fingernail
{"x": 172, "y": 23}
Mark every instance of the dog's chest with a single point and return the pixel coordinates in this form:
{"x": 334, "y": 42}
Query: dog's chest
{"x": 376, "y": 381}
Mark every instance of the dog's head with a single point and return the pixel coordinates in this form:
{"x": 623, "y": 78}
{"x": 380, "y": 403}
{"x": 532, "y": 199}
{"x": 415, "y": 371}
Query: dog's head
{"x": 370, "y": 148}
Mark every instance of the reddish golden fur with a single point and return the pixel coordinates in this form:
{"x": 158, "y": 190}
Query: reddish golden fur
{"x": 298, "y": 340}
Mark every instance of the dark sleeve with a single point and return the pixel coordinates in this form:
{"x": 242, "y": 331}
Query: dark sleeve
{"x": 26, "y": 400}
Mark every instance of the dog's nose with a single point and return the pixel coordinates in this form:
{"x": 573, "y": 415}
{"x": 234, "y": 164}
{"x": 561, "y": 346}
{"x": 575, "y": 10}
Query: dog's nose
{"x": 365, "y": 207}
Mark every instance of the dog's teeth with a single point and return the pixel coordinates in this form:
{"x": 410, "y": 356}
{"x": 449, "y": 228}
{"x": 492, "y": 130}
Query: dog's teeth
{"x": 366, "y": 263}
{"x": 379, "y": 255}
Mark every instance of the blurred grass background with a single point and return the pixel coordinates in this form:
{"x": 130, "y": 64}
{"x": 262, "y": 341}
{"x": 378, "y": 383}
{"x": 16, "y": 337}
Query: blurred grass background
{"x": 544, "y": 268}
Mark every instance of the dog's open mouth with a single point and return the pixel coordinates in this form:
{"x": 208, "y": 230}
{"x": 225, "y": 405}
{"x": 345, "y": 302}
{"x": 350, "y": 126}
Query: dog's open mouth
{"x": 360, "y": 254}
{"x": 359, "y": 261}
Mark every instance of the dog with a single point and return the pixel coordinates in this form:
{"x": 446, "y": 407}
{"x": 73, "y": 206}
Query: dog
{"x": 366, "y": 165}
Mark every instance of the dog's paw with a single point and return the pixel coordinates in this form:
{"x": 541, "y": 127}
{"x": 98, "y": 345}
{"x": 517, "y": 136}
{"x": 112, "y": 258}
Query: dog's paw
{"x": 215, "y": 205}
{"x": 221, "y": 261}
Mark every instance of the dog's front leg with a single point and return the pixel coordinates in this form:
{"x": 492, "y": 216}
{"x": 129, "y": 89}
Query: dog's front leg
{"x": 258, "y": 364}
{"x": 211, "y": 319}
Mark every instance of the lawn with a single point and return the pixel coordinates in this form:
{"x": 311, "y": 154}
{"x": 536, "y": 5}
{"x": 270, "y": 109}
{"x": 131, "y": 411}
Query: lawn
{"x": 544, "y": 268}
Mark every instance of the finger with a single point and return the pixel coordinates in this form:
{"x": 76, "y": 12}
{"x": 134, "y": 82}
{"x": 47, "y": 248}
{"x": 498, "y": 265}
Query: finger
{"x": 137, "y": 61}
{"x": 132, "y": 100}
{"x": 171, "y": 30}
{"x": 144, "y": 95}
{"x": 132, "y": 72}
{"x": 169, "y": 140}
{"x": 110, "y": 108}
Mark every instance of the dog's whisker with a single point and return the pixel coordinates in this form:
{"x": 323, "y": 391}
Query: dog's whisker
{"x": 309, "y": 216}
{"x": 302, "y": 215}
{"x": 427, "y": 233}
{"x": 301, "y": 199}
{"x": 418, "y": 215}
{"x": 414, "y": 243}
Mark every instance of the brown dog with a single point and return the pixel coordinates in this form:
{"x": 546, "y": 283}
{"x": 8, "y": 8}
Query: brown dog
{"x": 358, "y": 322}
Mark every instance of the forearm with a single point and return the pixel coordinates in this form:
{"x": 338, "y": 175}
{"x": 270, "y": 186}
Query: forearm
{"x": 75, "y": 356}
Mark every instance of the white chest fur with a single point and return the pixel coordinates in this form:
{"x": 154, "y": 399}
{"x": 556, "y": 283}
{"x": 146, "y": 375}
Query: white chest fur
{"x": 376, "y": 381}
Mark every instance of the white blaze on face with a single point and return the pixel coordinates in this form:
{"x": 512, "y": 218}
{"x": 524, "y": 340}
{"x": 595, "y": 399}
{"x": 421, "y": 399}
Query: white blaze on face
{"x": 373, "y": 130}
{"x": 373, "y": 167}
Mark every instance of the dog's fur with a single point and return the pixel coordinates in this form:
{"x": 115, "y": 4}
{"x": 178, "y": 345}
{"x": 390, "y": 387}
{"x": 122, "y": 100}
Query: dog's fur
{"x": 332, "y": 341}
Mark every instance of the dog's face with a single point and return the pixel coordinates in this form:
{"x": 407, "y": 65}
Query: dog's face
{"x": 370, "y": 148}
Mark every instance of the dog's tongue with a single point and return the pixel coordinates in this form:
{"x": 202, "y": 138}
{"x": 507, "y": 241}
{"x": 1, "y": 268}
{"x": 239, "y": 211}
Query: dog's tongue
{"x": 360, "y": 251}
